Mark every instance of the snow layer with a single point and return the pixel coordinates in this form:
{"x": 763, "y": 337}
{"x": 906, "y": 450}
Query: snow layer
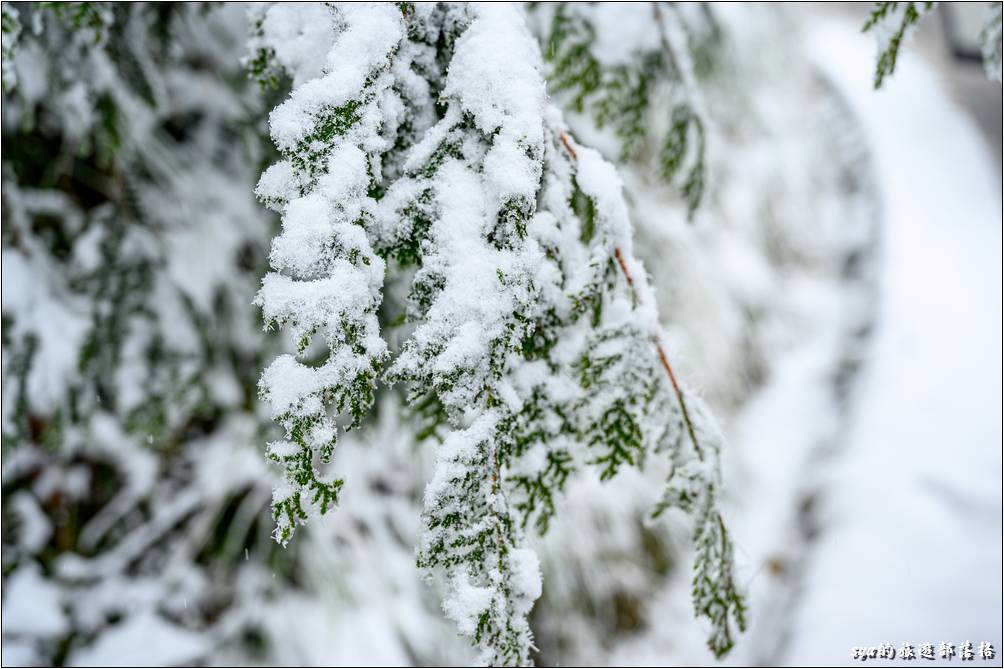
{"x": 32, "y": 605}
{"x": 913, "y": 546}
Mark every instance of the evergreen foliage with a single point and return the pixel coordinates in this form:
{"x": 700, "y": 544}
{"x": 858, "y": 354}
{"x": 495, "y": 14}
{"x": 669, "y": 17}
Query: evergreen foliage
{"x": 425, "y": 153}
{"x": 629, "y": 86}
{"x": 445, "y": 242}
{"x": 892, "y": 23}
{"x": 130, "y": 350}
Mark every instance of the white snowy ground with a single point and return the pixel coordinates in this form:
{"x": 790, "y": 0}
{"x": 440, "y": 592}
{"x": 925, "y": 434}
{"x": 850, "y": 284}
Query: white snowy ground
{"x": 911, "y": 550}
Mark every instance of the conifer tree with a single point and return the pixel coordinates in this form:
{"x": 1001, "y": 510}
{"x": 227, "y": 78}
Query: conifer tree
{"x": 532, "y": 328}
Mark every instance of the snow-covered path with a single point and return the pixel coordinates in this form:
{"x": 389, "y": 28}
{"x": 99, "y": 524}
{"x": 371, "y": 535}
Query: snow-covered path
{"x": 911, "y": 545}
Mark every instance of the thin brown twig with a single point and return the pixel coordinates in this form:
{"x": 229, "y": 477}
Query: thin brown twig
{"x": 568, "y": 146}
{"x": 679, "y": 396}
{"x": 620, "y": 261}
{"x": 656, "y": 339}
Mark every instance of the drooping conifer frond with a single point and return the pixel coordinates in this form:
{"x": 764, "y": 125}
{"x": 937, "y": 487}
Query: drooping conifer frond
{"x": 423, "y": 138}
{"x": 892, "y": 23}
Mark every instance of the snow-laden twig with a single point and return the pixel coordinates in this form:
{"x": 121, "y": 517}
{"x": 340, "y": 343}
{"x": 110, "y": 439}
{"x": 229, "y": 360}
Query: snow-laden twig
{"x": 535, "y": 338}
